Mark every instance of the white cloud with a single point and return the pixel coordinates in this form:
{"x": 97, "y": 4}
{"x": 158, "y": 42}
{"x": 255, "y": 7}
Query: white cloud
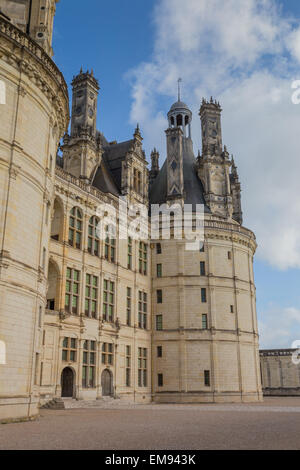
{"x": 284, "y": 330}
{"x": 246, "y": 55}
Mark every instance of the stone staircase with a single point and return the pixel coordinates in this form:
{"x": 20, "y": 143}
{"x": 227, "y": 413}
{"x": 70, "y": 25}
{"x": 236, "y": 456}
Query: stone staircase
{"x": 54, "y": 404}
{"x": 71, "y": 403}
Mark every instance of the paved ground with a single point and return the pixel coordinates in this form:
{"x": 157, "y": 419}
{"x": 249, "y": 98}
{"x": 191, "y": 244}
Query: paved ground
{"x": 274, "y": 424}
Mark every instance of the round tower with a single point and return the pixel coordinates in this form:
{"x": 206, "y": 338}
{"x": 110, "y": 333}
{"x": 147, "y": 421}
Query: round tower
{"x": 205, "y": 333}
{"x": 33, "y": 117}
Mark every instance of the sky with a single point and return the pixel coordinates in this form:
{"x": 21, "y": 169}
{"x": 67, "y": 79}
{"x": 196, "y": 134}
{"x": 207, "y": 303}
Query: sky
{"x": 244, "y": 53}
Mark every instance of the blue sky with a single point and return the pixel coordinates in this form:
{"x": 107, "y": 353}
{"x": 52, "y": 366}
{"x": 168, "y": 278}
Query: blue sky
{"x": 138, "y": 49}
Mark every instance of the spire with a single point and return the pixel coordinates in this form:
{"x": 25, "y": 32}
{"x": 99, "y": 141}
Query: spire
{"x": 179, "y": 90}
{"x": 137, "y": 135}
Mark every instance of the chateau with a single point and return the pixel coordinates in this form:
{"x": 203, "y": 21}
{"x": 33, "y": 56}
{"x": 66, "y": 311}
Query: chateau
{"x": 81, "y": 317}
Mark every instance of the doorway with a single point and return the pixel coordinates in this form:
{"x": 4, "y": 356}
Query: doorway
{"x": 67, "y": 383}
{"x": 106, "y": 383}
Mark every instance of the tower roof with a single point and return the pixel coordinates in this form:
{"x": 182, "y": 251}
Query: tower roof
{"x": 179, "y": 106}
{"x": 193, "y": 188}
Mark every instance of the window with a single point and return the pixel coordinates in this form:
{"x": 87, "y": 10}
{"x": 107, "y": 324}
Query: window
{"x": 207, "y": 378}
{"x": 159, "y": 351}
{"x": 129, "y": 256}
{"x": 36, "y": 368}
{"x": 75, "y": 228}
{"x": 110, "y": 244}
{"x": 137, "y": 180}
{"x": 107, "y": 353}
{"x": 231, "y": 309}
{"x": 202, "y": 268}
{"x": 89, "y": 364}
{"x": 69, "y": 351}
{"x": 142, "y": 367}
{"x": 72, "y": 291}
{"x": 108, "y": 301}
{"x": 128, "y": 366}
{"x": 93, "y": 240}
{"x": 91, "y": 296}
{"x": 48, "y": 206}
{"x": 44, "y": 259}
{"x": 158, "y": 248}
{"x": 142, "y": 310}
{"x": 143, "y": 256}
{"x": 203, "y": 295}
{"x": 204, "y": 321}
{"x": 159, "y": 322}
{"x": 159, "y": 270}
{"x": 229, "y": 255}
{"x": 40, "y": 316}
{"x": 159, "y": 296}
{"x": 202, "y": 249}
{"x": 160, "y": 380}
{"x": 128, "y": 307}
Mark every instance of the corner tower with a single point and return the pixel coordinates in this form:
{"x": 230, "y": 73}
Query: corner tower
{"x": 205, "y": 334}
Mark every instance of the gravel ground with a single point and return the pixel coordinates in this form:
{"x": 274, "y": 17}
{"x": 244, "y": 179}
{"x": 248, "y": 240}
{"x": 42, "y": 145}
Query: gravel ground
{"x": 274, "y": 424}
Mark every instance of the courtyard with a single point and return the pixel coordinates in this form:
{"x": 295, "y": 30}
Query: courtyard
{"x": 273, "y": 424}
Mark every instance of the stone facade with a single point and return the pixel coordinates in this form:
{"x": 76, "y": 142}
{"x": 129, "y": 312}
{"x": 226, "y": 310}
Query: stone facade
{"x": 279, "y": 375}
{"x": 83, "y": 317}
{"x": 33, "y": 119}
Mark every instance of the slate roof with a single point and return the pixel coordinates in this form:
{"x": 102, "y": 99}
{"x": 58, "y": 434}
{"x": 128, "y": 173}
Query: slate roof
{"x": 193, "y": 188}
{"x": 113, "y": 156}
{"x": 104, "y": 181}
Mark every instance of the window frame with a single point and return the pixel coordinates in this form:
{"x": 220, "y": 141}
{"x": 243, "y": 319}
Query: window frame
{"x": 75, "y": 215}
{"x": 142, "y": 367}
{"x": 89, "y": 312}
{"x": 69, "y": 293}
{"x": 142, "y": 310}
{"x": 69, "y": 349}
{"x": 107, "y": 354}
{"x": 93, "y": 245}
{"x": 89, "y": 351}
{"x": 108, "y": 306}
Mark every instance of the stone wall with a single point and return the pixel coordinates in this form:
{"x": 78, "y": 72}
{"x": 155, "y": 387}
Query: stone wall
{"x": 280, "y": 376}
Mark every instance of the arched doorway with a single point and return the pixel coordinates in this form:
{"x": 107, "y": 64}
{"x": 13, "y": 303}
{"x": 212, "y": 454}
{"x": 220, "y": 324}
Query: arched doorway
{"x": 107, "y": 383}
{"x": 67, "y": 383}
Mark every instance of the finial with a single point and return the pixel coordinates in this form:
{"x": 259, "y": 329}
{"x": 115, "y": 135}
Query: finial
{"x": 179, "y": 91}
{"x": 137, "y": 131}
{"x": 81, "y": 69}
{"x": 92, "y": 72}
